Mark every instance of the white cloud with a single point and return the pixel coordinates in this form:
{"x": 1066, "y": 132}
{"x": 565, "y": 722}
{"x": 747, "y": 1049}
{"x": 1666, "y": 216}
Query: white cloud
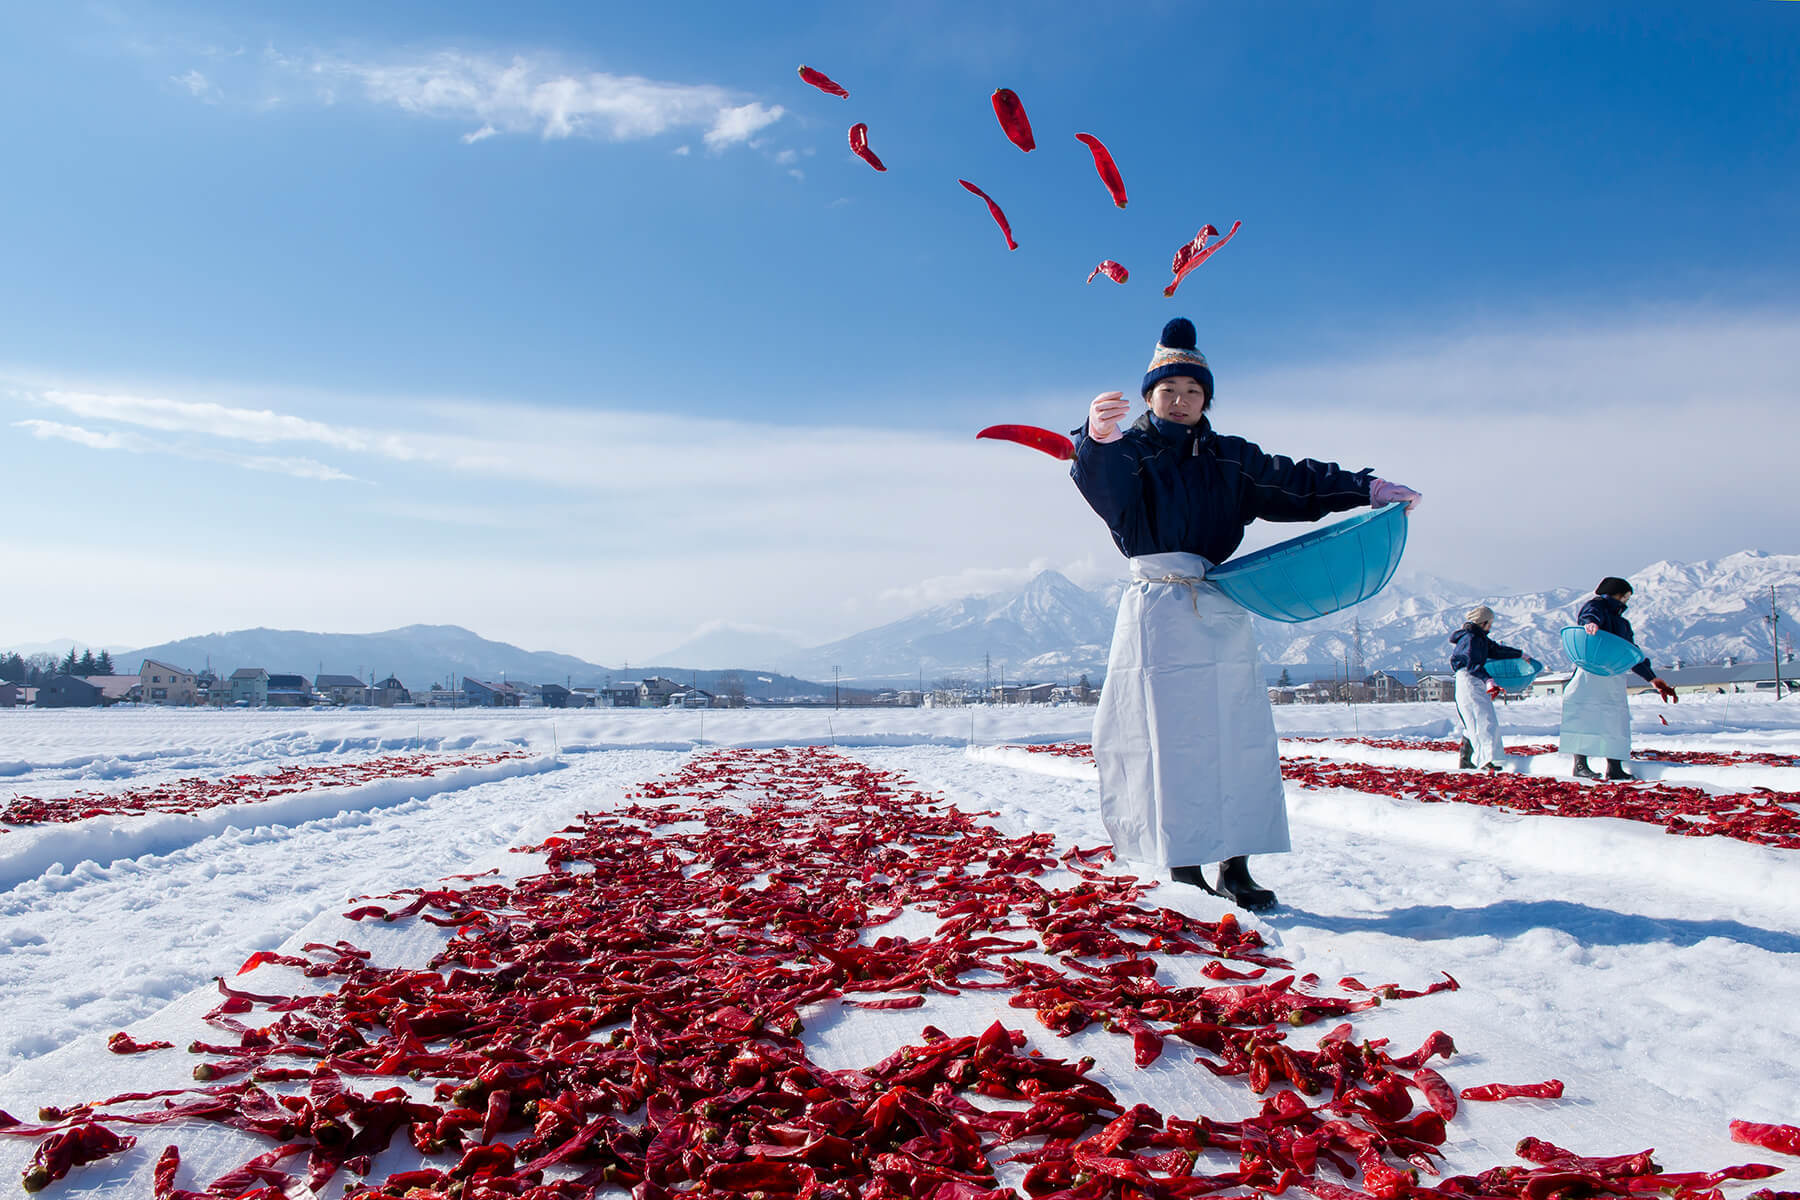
{"x": 535, "y": 94}
{"x": 75, "y": 433}
{"x": 683, "y": 151}
{"x": 784, "y": 157}
{"x": 198, "y": 86}
{"x": 479, "y": 135}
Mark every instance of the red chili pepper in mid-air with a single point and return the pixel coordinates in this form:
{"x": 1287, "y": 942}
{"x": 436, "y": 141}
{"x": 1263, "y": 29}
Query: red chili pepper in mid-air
{"x": 999, "y": 217}
{"x": 1053, "y": 444}
{"x": 1103, "y": 163}
{"x": 1550, "y": 1089}
{"x": 1111, "y": 270}
{"x": 1196, "y": 252}
{"x": 1784, "y": 1139}
{"x": 1013, "y": 120}
{"x": 859, "y": 146}
{"x": 823, "y": 82}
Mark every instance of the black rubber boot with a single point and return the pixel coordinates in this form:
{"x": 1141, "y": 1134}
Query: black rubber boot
{"x": 1245, "y": 892}
{"x": 1582, "y": 770}
{"x": 1466, "y": 756}
{"x": 1616, "y": 770}
{"x": 1195, "y": 877}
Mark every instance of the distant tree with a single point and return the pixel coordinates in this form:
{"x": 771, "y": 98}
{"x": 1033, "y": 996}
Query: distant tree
{"x": 87, "y": 665}
{"x": 12, "y": 668}
{"x": 68, "y": 664}
{"x": 731, "y": 688}
{"x": 1284, "y": 681}
{"x": 37, "y": 667}
{"x": 104, "y": 662}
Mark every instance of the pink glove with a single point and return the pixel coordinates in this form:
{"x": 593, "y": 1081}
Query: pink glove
{"x": 1591, "y": 628}
{"x": 1494, "y": 690}
{"x": 1383, "y": 493}
{"x": 1104, "y": 415}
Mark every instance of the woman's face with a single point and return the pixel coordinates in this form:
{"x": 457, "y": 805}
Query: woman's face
{"x": 1178, "y": 398}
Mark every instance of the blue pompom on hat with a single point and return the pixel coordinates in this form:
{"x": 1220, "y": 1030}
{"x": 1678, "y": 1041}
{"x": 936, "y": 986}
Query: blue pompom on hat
{"x": 1175, "y": 355}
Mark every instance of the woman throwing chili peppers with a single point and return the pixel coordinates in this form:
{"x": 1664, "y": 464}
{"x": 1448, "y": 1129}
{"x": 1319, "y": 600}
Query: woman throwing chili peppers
{"x": 1475, "y": 691}
{"x": 1596, "y": 718}
{"x": 1184, "y": 736}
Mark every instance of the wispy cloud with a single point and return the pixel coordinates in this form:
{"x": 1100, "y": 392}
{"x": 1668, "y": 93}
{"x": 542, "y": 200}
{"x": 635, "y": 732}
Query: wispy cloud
{"x": 261, "y": 426}
{"x": 299, "y": 468}
{"x": 535, "y": 94}
{"x": 198, "y": 86}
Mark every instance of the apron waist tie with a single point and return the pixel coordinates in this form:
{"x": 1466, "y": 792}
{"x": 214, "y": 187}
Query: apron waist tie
{"x": 1190, "y": 582}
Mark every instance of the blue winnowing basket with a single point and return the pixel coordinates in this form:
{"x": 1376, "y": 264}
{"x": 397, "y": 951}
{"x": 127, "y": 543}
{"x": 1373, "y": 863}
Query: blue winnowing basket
{"x": 1513, "y": 674}
{"x": 1600, "y": 653}
{"x": 1319, "y": 572}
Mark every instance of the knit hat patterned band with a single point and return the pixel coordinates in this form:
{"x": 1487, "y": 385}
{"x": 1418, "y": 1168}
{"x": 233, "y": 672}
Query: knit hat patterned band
{"x": 1175, "y": 355}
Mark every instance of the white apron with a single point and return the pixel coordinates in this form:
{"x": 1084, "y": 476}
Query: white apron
{"x": 1190, "y": 770}
{"x": 1475, "y": 712}
{"x": 1596, "y": 717}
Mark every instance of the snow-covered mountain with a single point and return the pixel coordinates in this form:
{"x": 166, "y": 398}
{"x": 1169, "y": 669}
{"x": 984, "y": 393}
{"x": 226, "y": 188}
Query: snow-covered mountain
{"x": 1053, "y": 629}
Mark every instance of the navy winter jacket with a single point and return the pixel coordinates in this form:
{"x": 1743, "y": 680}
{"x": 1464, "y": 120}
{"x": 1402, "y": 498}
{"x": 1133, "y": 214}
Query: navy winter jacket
{"x": 1473, "y": 649}
{"x": 1609, "y": 615}
{"x": 1166, "y": 487}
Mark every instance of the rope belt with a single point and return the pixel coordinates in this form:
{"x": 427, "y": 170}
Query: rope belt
{"x": 1190, "y": 582}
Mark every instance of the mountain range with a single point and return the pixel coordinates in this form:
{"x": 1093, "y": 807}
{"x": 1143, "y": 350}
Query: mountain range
{"x": 1054, "y": 630}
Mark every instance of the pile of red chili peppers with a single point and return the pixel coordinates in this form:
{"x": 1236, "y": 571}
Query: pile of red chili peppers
{"x": 1711, "y": 758}
{"x": 192, "y": 795}
{"x": 631, "y": 1017}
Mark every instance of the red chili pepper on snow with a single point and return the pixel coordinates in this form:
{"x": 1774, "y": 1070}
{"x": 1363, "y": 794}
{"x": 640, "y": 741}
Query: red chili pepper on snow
{"x": 1438, "y": 1093}
{"x": 1196, "y": 252}
{"x": 999, "y": 217}
{"x": 823, "y": 82}
{"x": 1112, "y": 270}
{"x": 84, "y": 1143}
{"x": 1053, "y": 444}
{"x": 122, "y": 1043}
{"x": 1013, "y": 120}
{"x": 1103, "y": 163}
{"x": 1784, "y": 1139}
{"x": 859, "y": 146}
{"x": 1550, "y": 1089}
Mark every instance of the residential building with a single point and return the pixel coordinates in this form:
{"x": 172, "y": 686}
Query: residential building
{"x": 248, "y": 686}
{"x": 1551, "y": 683}
{"x": 67, "y": 691}
{"x": 1393, "y": 686}
{"x": 341, "y": 689}
{"x": 115, "y": 688}
{"x": 626, "y": 693}
{"x": 12, "y": 695}
{"x": 1036, "y": 693}
{"x": 390, "y": 692}
{"x": 160, "y": 683}
{"x": 477, "y": 693}
{"x": 1728, "y": 678}
{"x": 1433, "y": 687}
{"x": 289, "y": 691}
{"x": 657, "y": 691}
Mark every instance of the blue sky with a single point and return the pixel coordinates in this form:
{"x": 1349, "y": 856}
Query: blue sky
{"x": 578, "y": 324}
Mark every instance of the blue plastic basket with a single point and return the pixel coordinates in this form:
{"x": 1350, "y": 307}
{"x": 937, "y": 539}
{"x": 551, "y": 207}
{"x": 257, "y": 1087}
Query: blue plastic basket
{"x": 1600, "y": 653}
{"x": 1513, "y": 674}
{"x": 1319, "y": 572}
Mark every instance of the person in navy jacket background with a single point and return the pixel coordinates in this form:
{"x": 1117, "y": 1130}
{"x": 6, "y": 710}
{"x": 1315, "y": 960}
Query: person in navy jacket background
{"x": 1596, "y": 719}
{"x": 1184, "y": 737}
{"x": 1476, "y": 690}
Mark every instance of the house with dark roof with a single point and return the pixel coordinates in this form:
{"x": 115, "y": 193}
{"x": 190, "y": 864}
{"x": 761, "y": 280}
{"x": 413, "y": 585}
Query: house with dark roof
{"x": 341, "y": 689}
{"x": 289, "y": 691}
{"x": 67, "y": 691}
{"x": 390, "y": 692}
{"x": 1393, "y": 686}
{"x": 248, "y": 686}
{"x": 478, "y": 693}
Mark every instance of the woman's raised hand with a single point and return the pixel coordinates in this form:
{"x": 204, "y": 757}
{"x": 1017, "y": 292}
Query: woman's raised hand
{"x": 1104, "y": 415}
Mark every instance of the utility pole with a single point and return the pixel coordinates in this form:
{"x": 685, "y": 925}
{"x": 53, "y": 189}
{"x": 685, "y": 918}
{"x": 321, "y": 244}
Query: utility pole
{"x": 834, "y": 687}
{"x": 1775, "y": 638}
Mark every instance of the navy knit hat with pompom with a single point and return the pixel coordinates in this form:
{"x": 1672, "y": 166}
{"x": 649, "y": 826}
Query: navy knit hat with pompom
{"x": 1175, "y": 355}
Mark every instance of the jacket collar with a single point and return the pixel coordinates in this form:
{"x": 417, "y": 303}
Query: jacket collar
{"x": 1172, "y": 433}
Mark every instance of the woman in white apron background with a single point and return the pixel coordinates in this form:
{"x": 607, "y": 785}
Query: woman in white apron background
{"x": 1476, "y": 690}
{"x": 1596, "y": 717}
{"x": 1184, "y": 736}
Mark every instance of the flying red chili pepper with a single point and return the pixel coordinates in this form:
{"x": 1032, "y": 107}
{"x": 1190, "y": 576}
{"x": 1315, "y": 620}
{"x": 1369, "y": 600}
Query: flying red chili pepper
{"x": 1053, "y": 444}
{"x": 859, "y": 146}
{"x": 1013, "y": 120}
{"x": 1196, "y": 252}
{"x": 1550, "y": 1089}
{"x": 823, "y": 82}
{"x": 1103, "y": 163}
{"x": 1111, "y": 270}
{"x": 999, "y": 217}
{"x": 1784, "y": 1139}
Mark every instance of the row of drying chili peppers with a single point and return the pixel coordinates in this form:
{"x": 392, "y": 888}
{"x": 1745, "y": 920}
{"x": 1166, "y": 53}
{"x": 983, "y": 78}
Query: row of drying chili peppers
{"x": 632, "y": 1017}
{"x": 1760, "y": 816}
{"x": 194, "y": 794}
{"x": 1648, "y": 753}
{"x": 1009, "y": 110}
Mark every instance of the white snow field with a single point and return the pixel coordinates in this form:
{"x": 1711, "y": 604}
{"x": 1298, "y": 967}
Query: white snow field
{"x": 1657, "y": 976}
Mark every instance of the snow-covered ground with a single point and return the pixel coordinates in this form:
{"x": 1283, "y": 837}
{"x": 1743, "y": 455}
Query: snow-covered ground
{"x": 1655, "y": 975}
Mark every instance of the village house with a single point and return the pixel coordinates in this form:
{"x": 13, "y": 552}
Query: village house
{"x": 1434, "y": 687}
{"x": 289, "y": 691}
{"x": 160, "y": 683}
{"x": 1392, "y": 687}
{"x": 626, "y": 693}
{"x": 248, "y": 686}
{"x": 390, "y": 692}
{"x": 342, "y": 689}
{"x": 478, "y": 693}
{"x": 84, "y": 691}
